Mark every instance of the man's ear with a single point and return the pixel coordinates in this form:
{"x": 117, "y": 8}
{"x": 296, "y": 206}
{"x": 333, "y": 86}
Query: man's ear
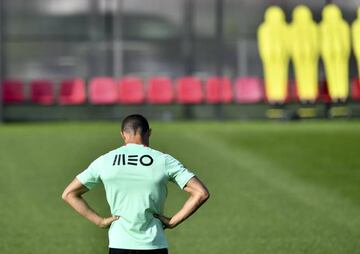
{"x": 122, "y": 135}
{"x": 150, "y": 132}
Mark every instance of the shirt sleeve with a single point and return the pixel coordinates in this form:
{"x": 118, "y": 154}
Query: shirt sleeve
{"x": 91, "y": 176}
{"x": 177, "y": 172}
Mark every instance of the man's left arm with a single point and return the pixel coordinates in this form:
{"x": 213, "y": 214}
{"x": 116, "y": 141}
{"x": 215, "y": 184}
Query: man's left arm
{"x": 198, "y": 195}
{"x": 73, "y": 195}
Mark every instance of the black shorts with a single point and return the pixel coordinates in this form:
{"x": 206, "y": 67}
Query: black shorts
{"x": 125, "y": 251}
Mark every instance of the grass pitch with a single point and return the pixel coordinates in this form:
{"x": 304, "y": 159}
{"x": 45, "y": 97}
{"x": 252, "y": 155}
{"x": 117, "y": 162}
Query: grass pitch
{"x": 275, "y": 187}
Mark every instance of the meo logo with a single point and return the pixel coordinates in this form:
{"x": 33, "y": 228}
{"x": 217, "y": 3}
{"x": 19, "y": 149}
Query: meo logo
{"x": 134, "y": 160}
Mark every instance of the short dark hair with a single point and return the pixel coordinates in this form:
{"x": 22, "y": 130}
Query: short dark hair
{"x": 135, "y": 123}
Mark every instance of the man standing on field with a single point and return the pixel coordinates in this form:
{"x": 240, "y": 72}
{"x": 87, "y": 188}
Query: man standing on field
{"x": 135, "y": 179}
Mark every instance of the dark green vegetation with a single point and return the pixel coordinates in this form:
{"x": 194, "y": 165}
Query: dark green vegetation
{"x": 275, "y": 187}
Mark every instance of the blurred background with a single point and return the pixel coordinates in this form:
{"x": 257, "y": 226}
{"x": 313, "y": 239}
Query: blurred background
{"x": 277, "y": 188}
{"x": 51, "y": 42}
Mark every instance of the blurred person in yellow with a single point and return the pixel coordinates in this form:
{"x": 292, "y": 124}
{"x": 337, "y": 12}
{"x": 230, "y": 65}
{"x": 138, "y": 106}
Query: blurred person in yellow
{"x": 305, "y": 53}
{"x": 273, "y": 48}
{"x": 355, "y": 29}
{"x": 335, "y": 51}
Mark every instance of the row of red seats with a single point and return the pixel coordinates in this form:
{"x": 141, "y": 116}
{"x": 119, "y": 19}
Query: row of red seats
{"x": 159, "y": 90}
{"x": 132, "y": 90}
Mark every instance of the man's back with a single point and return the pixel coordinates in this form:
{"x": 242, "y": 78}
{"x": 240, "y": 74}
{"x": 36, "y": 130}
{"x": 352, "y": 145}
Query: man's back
{"x": 135, "y": 178}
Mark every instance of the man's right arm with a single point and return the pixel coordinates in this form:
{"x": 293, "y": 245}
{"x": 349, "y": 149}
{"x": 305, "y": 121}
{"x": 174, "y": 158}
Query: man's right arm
{"x": 198, "y": 194}
{"x": 73, "y": 196}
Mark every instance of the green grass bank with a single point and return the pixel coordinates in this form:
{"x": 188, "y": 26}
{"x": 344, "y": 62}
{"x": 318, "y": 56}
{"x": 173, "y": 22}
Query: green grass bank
{"x": 276, "y": 188}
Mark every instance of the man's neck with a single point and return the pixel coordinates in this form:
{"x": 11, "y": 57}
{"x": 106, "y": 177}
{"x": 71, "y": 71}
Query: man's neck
{"x": 137, "y": 141}
{"x": 133, "y": 142}
{"x": 130, "y": 138}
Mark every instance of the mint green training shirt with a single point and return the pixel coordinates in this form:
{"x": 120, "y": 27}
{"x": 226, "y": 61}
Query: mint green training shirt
{"x": 135, "y": 178}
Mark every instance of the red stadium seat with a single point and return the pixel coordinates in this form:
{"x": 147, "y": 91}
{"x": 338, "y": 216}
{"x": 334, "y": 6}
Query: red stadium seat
{"x": 42, "y": 92}
{"x": 160, "y": 90}
{"x": 131, "y": 91}
{"x": 13, "y": 91}
{"x": 189, "y": 90}
{"x": 72, "y": 92}
{"x": 324, "y": 95}
{"x": 248, "y": 90}
{"x": 293, "y": 94}
{"x": 355, "y": 89}
{"x": 103, "y": 90}
{"x": 218, "y": 90}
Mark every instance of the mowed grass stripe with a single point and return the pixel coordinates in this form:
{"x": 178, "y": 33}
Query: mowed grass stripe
{"x": 275, "y": 176}
{"x": 37, "y": 163}
{"x": 314, "y": 218}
